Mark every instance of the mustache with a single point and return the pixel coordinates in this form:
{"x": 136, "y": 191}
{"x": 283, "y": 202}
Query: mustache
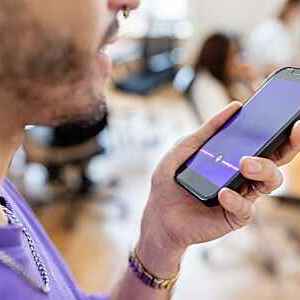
{"x": 111, "y": 31}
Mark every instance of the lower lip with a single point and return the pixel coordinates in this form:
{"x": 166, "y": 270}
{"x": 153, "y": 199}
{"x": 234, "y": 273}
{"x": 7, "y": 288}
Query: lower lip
{"x": 105, "y": 63}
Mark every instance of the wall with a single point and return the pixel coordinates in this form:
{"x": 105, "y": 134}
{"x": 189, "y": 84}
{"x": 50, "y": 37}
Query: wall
{"x": 232, "y": 15}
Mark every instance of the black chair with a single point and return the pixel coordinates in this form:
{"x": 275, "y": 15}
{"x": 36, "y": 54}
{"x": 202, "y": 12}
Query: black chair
{"x": 65, "y": 147}
{"x": 158, "y": 67}
{"x": 184, "y": 83}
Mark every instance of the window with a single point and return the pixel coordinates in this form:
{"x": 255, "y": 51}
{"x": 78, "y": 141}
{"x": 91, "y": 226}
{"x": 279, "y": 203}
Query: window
{"x": 166, "y": 9}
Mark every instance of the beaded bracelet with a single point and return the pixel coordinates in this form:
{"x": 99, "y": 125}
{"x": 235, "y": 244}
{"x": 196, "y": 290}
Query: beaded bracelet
{"x": 149, "y": 279}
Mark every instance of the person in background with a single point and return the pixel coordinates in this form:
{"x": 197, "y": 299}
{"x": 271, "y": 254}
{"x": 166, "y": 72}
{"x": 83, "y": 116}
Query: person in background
{"x": 221, "y": 76}
{"x": 275, "y": 43}
{"x": 53, "y": 70}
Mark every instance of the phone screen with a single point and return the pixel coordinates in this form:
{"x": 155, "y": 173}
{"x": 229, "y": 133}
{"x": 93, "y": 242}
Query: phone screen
{"x": 247, "y": 132}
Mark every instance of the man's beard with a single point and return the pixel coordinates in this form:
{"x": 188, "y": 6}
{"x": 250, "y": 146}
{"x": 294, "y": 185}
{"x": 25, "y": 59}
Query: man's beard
{"x": 30, "y": 51}
{"x": 35, "y": 62}
{"x": 89, "y": 117}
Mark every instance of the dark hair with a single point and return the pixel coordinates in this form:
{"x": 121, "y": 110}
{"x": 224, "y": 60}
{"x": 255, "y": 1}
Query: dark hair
{"x": 287, "y": 6}
{"x": 214, "y": 54}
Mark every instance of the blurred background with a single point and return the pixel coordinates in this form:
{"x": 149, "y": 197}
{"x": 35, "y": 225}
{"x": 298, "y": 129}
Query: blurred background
{"x": 176, "y": 64}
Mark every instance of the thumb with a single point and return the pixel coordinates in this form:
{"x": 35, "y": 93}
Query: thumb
{"x": 182, "y": 151}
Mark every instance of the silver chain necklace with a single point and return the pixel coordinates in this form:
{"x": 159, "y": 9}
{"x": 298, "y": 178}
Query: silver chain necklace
{"x": 9, "y": 261}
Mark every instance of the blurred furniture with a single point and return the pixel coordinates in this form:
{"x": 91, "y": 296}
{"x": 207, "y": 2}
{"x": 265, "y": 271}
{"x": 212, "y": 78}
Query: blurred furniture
{"x": 65, "y": 152}
{"x": 184, "y": 83}
{"x": 158, "y": 67}
{"x": 160, "y": 56}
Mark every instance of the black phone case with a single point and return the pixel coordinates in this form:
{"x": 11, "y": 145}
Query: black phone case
{"x": 266, "y": 152}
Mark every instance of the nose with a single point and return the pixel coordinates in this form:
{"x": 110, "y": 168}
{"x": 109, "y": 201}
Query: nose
{"x": 117, "y": 5}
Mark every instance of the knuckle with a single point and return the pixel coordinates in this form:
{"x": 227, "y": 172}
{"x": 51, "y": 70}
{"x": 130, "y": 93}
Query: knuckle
{"x": 250, "y": 216}
{"x": 244, "y": 211}
{"x": 270, "y": 171}
{"x": 269, "y": 166}
{"x": 243, "y": 216}
{"x": 239, "y": 222}
{"x": 247, "y": 218}
{"x": 276, "y": 179}
{"x": 213, "y": 125}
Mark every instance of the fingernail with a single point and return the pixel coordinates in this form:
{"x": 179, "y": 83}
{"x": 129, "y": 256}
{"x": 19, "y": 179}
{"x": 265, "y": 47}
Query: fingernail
{"x": 253, "y": 166}
{"x": 297, "y": 124}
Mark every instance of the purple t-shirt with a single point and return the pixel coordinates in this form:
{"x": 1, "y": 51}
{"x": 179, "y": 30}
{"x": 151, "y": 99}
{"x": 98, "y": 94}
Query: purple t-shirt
{"x": 13, "y": 242}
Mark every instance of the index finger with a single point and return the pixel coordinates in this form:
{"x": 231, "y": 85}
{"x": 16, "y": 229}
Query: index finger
{"x": 182, "y": 151}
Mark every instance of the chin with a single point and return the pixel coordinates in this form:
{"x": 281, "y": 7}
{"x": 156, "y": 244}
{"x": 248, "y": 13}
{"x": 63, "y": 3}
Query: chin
{"x": 83, "y": 104}
{"x": 84, "y": 118}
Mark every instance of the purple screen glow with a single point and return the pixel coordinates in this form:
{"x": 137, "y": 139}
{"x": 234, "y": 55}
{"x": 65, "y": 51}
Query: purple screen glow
{"x": 248, "y": 131}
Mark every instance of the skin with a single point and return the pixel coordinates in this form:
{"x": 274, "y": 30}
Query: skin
{"x": 291, "y": 15}
{"x": 236, "y": 69}
{"x": 289, "y": 20}
{"x": 48, "y": 93}
{"x": 3, "y": 218}
{"x": 233, "y": 62}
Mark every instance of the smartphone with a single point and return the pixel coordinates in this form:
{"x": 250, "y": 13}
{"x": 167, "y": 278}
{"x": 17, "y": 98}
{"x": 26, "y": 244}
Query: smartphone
{"x": 257, "y": 129}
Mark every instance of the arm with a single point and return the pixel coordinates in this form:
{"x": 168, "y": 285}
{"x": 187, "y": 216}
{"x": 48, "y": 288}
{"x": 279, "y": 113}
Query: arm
{"x": 157, "y": 259}
{"x": 173, "y": 220}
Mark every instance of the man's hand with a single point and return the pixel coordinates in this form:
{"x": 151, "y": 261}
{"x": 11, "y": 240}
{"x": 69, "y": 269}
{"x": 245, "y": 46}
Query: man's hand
{"x": 174, "y": 220}
{"x": 3, "y": 217}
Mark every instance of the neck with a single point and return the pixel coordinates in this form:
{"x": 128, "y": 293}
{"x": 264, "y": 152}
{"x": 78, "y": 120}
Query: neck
{"x": 11, "y": 136}
{"x": 9, "y": 145}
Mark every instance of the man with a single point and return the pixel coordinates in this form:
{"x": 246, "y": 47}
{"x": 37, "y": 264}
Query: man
{"x": 275, "y": 43}
{"x": 52, "y": 71}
